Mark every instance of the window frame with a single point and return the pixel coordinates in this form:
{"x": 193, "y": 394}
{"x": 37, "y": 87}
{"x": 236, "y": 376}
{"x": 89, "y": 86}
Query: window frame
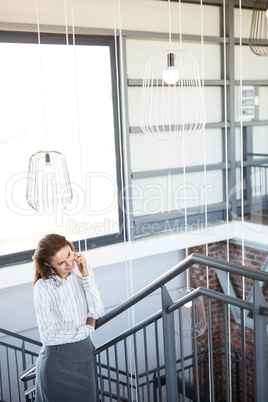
{"x": 84, "y": 40}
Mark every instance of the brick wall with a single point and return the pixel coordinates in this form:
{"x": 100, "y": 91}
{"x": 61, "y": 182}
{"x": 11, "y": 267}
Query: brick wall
{"x": 203, "y": 276}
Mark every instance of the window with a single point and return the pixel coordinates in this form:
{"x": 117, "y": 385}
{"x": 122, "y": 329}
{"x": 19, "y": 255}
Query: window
{"x": 56, "y": 96}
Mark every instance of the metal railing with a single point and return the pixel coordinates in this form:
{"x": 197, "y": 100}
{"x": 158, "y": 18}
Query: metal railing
{"x": 155, "y": 382}
{"x": 17, "y": 353}
{"x": 256, "y": 173}
{"x": 153, "y": 343}
{"x": 259, "y": 183}
{"x": 150, "y": 362}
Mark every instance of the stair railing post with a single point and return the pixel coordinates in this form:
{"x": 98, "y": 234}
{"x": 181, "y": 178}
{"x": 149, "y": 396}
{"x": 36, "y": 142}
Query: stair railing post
{"x": 237, "y": 377}
{"x": 260, "y": 344}
{"x": 23, "y": 358}
{"x": 169, "y": 348}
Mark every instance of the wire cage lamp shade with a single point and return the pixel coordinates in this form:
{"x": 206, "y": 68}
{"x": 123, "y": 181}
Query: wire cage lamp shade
{"x": 184, "y": 320}
{"x": 172, "y": 102}
{"x": 258, "y": 38}
{"x": 48, "y": 183}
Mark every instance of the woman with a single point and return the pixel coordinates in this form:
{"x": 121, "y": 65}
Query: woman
{"x": 67, "y": 304}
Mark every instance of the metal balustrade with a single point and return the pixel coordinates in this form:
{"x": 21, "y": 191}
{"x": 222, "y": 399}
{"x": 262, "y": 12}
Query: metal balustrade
{"x": 17, "y": 353}
{"x": 150, "y": 362}
{"x": 156, "y": 382}
{"x": 256, "y": 190}
{"x": 153, "y": 343}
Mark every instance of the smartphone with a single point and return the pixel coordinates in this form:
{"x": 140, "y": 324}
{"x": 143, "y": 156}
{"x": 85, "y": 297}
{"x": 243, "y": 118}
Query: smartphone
{"x": 72, "y": 252}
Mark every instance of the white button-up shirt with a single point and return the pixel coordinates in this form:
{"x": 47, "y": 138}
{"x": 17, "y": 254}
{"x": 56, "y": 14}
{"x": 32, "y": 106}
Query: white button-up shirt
{"x": 63, "y": 306}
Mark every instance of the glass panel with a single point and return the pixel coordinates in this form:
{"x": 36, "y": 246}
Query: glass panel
{"x": 57, "y": 97}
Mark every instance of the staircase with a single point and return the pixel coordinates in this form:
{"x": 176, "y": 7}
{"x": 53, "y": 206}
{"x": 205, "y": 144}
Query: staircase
{"x": 150, "y": 362}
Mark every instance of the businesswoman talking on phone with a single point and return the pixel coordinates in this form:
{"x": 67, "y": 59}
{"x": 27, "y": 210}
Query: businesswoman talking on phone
{"x": 67, "y": 304}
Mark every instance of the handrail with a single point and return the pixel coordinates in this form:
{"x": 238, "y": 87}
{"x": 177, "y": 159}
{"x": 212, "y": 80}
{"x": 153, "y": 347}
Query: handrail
{"x": 210, "y": 294}
{"x": 177, "y": 270}
{"x": 21, "y": 337}
{"x": 242, "y": 304}
{"x": 128, "y": 332}
{"x": 25, "y": 375}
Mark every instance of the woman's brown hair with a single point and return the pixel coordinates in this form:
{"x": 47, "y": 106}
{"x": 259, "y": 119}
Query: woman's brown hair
{"x": 47, "y": 247}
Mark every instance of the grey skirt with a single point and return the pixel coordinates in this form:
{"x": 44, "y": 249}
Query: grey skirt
{"x": 65, "y": 373}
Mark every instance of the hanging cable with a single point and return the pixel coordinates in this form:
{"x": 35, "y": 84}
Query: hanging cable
{"x": 204, "y": 133}
{"x": 79, "y": 128}
{"x": 184, "y": 175}
{"x": 226, "y": 131}
{"x": 66, "y": 23}
{"x": 123, "y": 156}
{"x": 227, "y": 199}
{"x": 242, "y": 172}
{"x": 124, "y": 162}
{"x": 180, "y": 24}
{"x": 241, "y": 142}
{"x": 185, "y": 211}
{"x": 41, "y": 72}
{"x": 205, "y": 161}
{"x": 241, "y": 134}
{"x": 169, "y": 24}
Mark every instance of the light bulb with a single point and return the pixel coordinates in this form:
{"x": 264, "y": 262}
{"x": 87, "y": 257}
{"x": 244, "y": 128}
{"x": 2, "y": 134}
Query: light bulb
{"x": 266, "y": 13}
{"x": 171, "y": 74}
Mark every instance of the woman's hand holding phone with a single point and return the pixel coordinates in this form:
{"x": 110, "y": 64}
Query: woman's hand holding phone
{"x": 81, "y": 263}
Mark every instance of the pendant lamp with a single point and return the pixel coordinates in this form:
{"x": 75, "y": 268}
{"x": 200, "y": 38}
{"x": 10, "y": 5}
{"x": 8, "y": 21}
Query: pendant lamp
{"x": 48, "y": 182}
{"x": 172, "y": 103}
{"x": 258, "y": 38}
{"x": 187, "y": 325}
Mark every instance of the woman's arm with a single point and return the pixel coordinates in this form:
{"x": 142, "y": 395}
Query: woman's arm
{"x": 94, "y": 303}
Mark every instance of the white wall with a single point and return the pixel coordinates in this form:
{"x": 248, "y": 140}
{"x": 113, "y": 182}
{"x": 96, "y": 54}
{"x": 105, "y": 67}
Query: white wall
{"x": 17, "y": 308}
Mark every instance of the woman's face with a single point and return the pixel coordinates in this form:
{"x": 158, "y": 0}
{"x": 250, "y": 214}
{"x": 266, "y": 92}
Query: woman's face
{"x": 63, "y": 262}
